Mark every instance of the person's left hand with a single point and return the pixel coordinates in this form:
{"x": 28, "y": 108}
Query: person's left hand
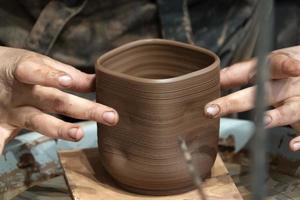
{"x": 283, "y": 91}
{"x": 32, "y": 87}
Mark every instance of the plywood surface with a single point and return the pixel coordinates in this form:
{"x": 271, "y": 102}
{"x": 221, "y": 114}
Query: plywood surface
{"x": 87, "y": 180}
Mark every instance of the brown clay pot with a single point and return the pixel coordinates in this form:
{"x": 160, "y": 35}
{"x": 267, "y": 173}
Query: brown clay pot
{"x": 159, "y": 89}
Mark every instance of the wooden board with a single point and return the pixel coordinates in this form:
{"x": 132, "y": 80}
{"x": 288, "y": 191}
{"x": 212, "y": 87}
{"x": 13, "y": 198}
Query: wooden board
{"x": 87, "y": 180}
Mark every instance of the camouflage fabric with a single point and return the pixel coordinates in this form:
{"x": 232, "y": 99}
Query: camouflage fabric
{"x": 79, "y": 31}
{"x": 101, "y": 25}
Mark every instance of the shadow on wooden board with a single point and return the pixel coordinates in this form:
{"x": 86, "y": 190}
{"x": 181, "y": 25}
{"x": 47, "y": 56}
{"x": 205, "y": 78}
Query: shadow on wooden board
{"x": 88, "y": 180}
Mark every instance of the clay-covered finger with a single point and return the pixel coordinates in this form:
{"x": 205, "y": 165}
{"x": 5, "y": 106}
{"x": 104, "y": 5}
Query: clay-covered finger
{"x": 239, "y": 101}
{"x": 243, "y": 100}
{"x": 286, "y": 114}
{"x": 238, "y": 74}
{"x": 56, "y": 101}
{"x": 83, "y": 82}
{"x": 32, "y": 69}
{"x": 42, "y": 70}
{"x": 35, "y": 120}
{"x": 283, "y": 65}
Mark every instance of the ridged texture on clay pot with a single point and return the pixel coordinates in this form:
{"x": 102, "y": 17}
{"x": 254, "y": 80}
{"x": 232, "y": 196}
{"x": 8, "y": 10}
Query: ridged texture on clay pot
{"x": 159, "y": 89}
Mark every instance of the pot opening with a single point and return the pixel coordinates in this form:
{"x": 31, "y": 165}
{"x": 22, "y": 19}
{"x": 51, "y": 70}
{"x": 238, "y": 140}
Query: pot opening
{"x": 158, "y": 61}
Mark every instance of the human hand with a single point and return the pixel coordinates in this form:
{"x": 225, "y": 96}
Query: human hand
{"x": 283, "y": 91}
{"x": 29, "y": 89}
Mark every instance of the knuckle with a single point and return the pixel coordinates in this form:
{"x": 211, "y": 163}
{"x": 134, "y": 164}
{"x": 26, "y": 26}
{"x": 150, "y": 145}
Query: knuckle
{"x": 288, "y": 66}
{"x": 31, "y": 59}
{"x": 12, "y": 64}
{"x": 289, "y": 113}
{"x": 227, "y": 73}
{"x": 8, "y": 77}
{"x": 293, "y": 112}
{"x": 224, "y": 105}
{"x": 250, "y": 77}
{"x": 92, "y": 113}
{"x": 229, "y": 103}
{"x": 31, "y": 122}
{"x": 53, "y": 74}
{"x": 60, "y": 132}
{"x": 23, "y": 62}
{"x": 277, "y": 116}
{"x": 60, "y": 104}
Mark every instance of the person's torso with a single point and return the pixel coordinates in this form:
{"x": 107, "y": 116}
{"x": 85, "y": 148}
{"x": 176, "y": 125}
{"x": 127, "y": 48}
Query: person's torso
{"x": 78, "y": 32}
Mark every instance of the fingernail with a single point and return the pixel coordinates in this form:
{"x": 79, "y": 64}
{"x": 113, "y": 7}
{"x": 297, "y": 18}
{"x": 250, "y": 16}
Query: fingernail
{"x": 65, "y": 80}
{"x": 296, "y": 146}
{"x": 109, "y": 117}
{"x": 267, "y": 120}
{"x": 212, "y": 110}
{"x": 73, "y": 133}
{"x": 224, "y": 69}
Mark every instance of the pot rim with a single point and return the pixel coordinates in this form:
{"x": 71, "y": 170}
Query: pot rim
{"x": 141, "y": 42}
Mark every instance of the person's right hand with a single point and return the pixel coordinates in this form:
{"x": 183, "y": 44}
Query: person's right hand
{"x": 30, "y": 86}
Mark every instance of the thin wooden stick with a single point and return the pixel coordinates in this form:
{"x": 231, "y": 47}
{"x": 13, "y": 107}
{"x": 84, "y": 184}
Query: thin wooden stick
{"x": 188, "y": 158}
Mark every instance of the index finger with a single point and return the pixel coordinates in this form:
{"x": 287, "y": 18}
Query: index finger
{"x": 282, "y": 65}
{"x": 83, "y": 82}
{"x": 41, "y": 70}
{"x": 238, "y": 74}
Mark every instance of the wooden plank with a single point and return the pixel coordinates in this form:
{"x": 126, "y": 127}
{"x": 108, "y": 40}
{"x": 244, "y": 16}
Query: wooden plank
{"x": 87, "y": 180}
{"x": 53, "y": 189}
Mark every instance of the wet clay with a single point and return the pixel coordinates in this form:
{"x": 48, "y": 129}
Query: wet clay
{"x": 159, "y": 89}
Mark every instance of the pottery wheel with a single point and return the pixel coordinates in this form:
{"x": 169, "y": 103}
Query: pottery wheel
{"x": 87, "y": 180}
